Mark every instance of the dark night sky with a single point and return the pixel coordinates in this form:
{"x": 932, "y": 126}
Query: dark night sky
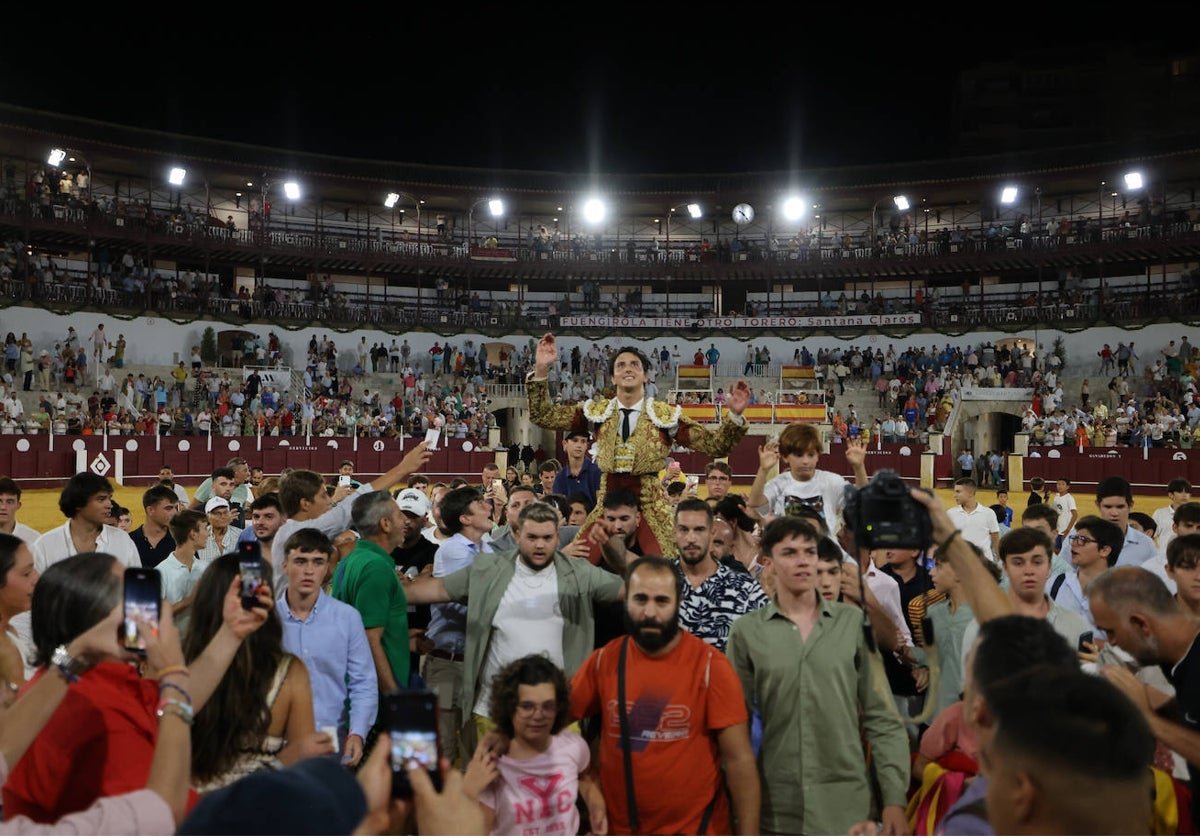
{"x": 602, "y": 89}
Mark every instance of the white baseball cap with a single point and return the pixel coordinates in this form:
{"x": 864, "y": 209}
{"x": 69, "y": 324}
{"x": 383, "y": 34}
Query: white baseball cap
{"x": 214, "y": 503}
{"x": 413, "y": 501}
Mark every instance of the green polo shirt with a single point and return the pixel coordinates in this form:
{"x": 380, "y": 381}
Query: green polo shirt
{"x": 812, "y": 696}
{"x": 366, "y": 580}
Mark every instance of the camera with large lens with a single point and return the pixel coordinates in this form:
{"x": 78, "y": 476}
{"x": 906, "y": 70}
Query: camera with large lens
{"x": 885, "y": 515}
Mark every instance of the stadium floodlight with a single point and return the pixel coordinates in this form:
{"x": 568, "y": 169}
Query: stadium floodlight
{"x": 176, "y": 176}
{"x": 391, "y": 200}
{"x": 292, "y": 190}
{"x": 57, "y": 156}
{"x": 1133, "y": 180}
{"x": 1008, "y": 195}
{"x": 793, "y": 209}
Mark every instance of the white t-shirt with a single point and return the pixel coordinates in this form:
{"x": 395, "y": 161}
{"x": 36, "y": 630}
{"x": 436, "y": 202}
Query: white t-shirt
{"x": 26, "y": 534}
{"x": 56, "y": 545}
{"x": 1064, "y": 503}
{"x": 529, "y": 620}
{"x": 178, "y": 581}
{"x": 977, "y": 526}
{"x": 825, "y": 492}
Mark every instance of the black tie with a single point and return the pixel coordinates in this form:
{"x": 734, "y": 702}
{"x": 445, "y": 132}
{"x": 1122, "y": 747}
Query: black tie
{"x": 625, "y": 423}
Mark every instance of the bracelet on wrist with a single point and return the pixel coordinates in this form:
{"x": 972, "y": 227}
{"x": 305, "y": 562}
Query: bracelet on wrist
{"x": 176, "y": 707}
{"x": 174, "y": 669}
{"x": 163, "y": 684}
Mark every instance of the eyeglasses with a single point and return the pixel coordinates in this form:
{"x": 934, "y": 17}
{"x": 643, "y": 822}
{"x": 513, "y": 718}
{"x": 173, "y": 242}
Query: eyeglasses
{"x": 1080, "y": 539}
{"x": 528, "y": 708}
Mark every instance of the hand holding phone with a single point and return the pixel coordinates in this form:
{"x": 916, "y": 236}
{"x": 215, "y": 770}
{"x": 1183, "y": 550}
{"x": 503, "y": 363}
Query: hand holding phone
{"x": 143, "y": 598}
{"x": 344, "y": 480}
{"x": 250, "y": 566}
{"x": 411, "y": 716}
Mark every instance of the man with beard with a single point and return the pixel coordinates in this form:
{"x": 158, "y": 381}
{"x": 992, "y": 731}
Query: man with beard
{"x": 1134, "y": 608}
{"x": 713, "y": 595}
{"x": 529, "y": 600}
{"x": 667, "y": 700}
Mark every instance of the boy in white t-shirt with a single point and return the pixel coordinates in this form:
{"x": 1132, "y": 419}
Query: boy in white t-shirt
{"x": 802, "y": 484}
{"x": 181, "y": 570}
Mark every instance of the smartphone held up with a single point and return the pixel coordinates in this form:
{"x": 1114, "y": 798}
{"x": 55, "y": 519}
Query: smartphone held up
{"x": 411, "y": 716}
{"x": 250, "y": 567}
{"x": 143, "y": 599}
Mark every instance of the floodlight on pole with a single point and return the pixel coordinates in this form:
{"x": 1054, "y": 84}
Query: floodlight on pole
{"x": 391, "y": 200}
{"x": 176, "y": 175}
{"x": 1008, "y": 195}
{"x": 495, "y": 207}
{"x": 57, "y": 156}
{"x": 793, "y": 209}
{"x": 292, "y": 190}
{"x": 694, "y": 210}
{"x": 594, "y": 211}
{"x": 1133, "y": 181}
{"x": 901, "y": 202}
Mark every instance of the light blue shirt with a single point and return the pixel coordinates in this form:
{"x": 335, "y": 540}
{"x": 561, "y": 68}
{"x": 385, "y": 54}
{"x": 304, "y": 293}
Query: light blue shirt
{"x": 448, "y": 622}
{"x": 332, "y": 643}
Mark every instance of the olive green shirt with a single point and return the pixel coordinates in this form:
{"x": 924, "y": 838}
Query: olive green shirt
{"x": 812, "y": 697}
{"x": 482, "y": 585}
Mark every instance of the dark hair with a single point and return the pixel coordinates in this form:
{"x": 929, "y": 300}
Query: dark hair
{"x": 1187, "y": 513}
{"x": 184, "y": 522}
{"x": 829, "y": 551}
{"x": 1145, "y": 520}
{"x": 1036, "y": 484}
{"x": 8, "y": 487}
{"x": 1044, "y": 512}
{"x": 548, "y": 465}
{"x": 1000, "y": 510}
{"x": 1025, "y": 539}
{"x": 455, "y": 503}
{"x": 678, "y": 487}
{"x": 799, "y": 439}
{"x": 786, "y": 527}
{"x": 620, "y": 497}
{"x": 78, "y": 490}
{"x": 236, "y": 717}
{"x": 8, "y": 555}
{"x": 1179, "y": 485}
{"x": 612, "y": 361}
{"x": 70, "y": 597}
{"x": 224, "y": 472}
{"x": 534, "y": 669}
{"x": 116, "y": 511}
{"x": 266, "y": 500}
{"x": 1105, "y": 533}
{"x": 1068, "y": 720}
{"x": 158, "y": 493}
{"x": 1182, "y": 551}
{"x": 1114, "y": 485}
{"x": 697, "y": 505}
{"x": 308, "y": 539}
{"x": 417, "y": 478}
{"x": 581, "y": 497}
{"x": 730, "y": 508}
{"x": 1011, "y": 643}
{"x": 557, "y": 501}
{"x": 966, "y": 482}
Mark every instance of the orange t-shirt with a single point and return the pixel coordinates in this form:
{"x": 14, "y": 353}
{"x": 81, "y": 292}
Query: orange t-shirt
{"x": 676, "y": 704}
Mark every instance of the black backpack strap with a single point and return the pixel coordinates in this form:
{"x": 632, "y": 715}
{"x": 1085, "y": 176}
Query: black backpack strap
{"x": 1057, "y": 585}
{"x": 626, "y": 744}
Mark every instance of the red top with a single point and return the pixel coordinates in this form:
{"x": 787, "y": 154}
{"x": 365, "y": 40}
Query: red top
{"x": 99, "y": 742}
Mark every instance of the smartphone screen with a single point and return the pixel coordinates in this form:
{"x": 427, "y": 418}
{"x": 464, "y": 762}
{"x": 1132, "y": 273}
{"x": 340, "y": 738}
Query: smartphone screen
{"x": 1086, "y": 639}
{"x": 143, "y": 595}
{"x": 252, "y": 578}
{"x": 343, "y": 480}
{"x": 412, "y": 722}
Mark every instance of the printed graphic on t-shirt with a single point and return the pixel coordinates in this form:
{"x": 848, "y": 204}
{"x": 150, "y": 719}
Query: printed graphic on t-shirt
{"x": 795, "y": 505}
{"x": 651, "y": 718}
{"x": 542, "y": 812}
